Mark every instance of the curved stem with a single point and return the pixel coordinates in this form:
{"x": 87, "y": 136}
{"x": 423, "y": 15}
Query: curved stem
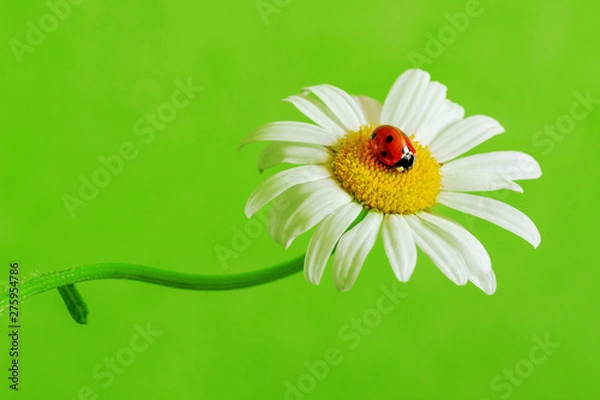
{"x": 57, "y": 279}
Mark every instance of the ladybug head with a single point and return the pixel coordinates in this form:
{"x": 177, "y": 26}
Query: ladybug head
{"x": 407, "y": 161}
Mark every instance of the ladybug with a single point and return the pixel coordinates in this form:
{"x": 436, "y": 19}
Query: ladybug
{"x": 392, "y": 147}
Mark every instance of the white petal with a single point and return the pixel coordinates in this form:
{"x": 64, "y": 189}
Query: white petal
{"x": 309, "y": 203}
{"x": 463, "y": 136}
{"x": 414, "y": 103}
{"x": 352, "y": 250}
{"x": 476, "y": 181}
{"x": 325, "y": 238}
{"x": 512, "y": 165}
{"x": 494, "y": 211}
{"x": 476, "y": 257}
{"x": 448, "y": 114}
{"x": 289, "y": 131}
{"x": 274, "y": 185}
{"x": 316, "y": 111}
{"x": 424, "y": 106}
{"x": 293, "y": 153}
{"x": 489, "y": 171}
{"x": 403, "y": 91}
{"x": 399, "y": 246}
{"x": 343, "y": 106}
{"x": 443, "y": 254}
{"x": 371, "y": 108}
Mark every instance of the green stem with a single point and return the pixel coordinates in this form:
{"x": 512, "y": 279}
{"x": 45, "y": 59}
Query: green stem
{"x": 57, "y": 279}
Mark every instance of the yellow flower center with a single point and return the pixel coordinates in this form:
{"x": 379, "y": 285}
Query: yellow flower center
{"x": 384, "y": 188}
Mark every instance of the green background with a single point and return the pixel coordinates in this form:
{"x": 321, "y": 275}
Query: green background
{"x": 77, "y": 96}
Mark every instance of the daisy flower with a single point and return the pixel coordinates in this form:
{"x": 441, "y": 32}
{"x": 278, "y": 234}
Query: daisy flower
{"x": 366, "y": 169}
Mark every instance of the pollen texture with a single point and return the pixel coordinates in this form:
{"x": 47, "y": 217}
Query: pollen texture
{"x": 384, "y": 188}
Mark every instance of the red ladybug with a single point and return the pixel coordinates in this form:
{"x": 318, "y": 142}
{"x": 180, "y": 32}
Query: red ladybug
{"x": 392, "y": 147}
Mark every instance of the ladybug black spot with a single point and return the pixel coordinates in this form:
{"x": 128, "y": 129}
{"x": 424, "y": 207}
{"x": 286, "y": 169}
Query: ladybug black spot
{"x": 406, "y": 162}
{"x": 373, "y": 135}
{"x": 384, "y": 154}
{"x": 389, "y": 139}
